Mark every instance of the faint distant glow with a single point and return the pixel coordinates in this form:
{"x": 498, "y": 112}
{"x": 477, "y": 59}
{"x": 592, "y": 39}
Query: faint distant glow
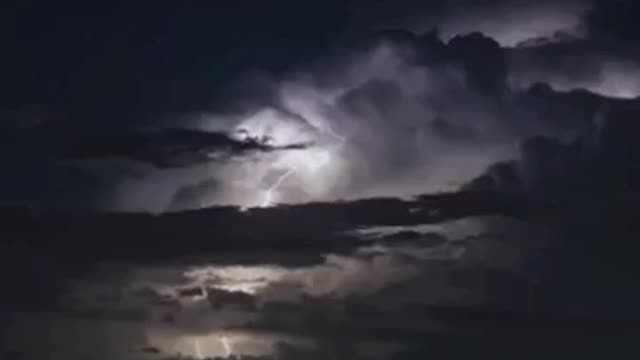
{"x": 247, "y": 287}
{"x": 218, "y": 344}
{"x": 444, "y": 252}
{"x": 199, "y": 297}
{"x": 246, "y": 279}
{"x": 211, "y": 340}
{"x": 613, "y": 86}
{"x": 336, "y": 276}
{"x": 512, "y": 23}
{"x": 617, "y": 82}
{"x": 608, "y": 77}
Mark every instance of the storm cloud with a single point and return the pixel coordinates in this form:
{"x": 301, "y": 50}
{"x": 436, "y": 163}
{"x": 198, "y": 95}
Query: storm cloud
{"x": 340, "y": 180}
{"x": 396, "y": 113}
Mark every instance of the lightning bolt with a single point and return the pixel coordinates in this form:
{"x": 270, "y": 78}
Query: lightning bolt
{"x": 226, "y": 345}
{"x": 196, "y": 344}
{"x": 268, "y": 196}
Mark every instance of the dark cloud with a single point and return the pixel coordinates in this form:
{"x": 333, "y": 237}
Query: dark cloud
{"x": 364, "y": 296}
{"x": 603, "y": 145}
{"x": 169, "y": 148}
{"x": 237, "y": 299}
{"x": 255, "y": 229}
{"x": 594, "y": 178}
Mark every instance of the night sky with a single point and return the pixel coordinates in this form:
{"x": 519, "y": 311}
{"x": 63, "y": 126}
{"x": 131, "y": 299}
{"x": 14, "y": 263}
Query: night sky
{"x": 319, "y": 180}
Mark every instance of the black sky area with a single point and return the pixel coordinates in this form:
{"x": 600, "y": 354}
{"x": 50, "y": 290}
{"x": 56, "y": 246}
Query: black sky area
{"x": 110, "y": 59}
{"x": 107, "y": 61}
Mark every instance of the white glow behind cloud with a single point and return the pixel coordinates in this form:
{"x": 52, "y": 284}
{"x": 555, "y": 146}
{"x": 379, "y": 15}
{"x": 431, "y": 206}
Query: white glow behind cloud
{"x": 361, "y": 143}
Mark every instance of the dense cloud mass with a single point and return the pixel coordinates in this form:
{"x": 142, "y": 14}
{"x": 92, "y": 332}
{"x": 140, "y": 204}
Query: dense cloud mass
{"x": 405, "y": 115}
{"x": 347, "y": 180}
{"x": 253, "y": 305}
{"x": 391, "y": 114}
{"x": 413, "y": 114}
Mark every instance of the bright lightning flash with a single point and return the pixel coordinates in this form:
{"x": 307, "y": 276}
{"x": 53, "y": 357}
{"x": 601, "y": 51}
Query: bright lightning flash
{"x": 311, "y": 168}
{"x": 198, "y": 349}
{"x": 226, "y": 345}
{"x": 268, "y": 196}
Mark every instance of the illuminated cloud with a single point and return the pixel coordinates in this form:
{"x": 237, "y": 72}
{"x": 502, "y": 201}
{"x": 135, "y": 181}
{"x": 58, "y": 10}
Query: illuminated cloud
{"x": 508, "y": 21}
{"x": 514, "y": 22}
{"x": 398, "y": 116}
{"x": 379, "y": 129}
{"x": 575, "y": 68}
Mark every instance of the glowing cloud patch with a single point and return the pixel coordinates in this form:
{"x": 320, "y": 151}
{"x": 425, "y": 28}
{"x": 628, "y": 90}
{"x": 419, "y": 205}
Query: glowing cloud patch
{"x": 300, "y": 174}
